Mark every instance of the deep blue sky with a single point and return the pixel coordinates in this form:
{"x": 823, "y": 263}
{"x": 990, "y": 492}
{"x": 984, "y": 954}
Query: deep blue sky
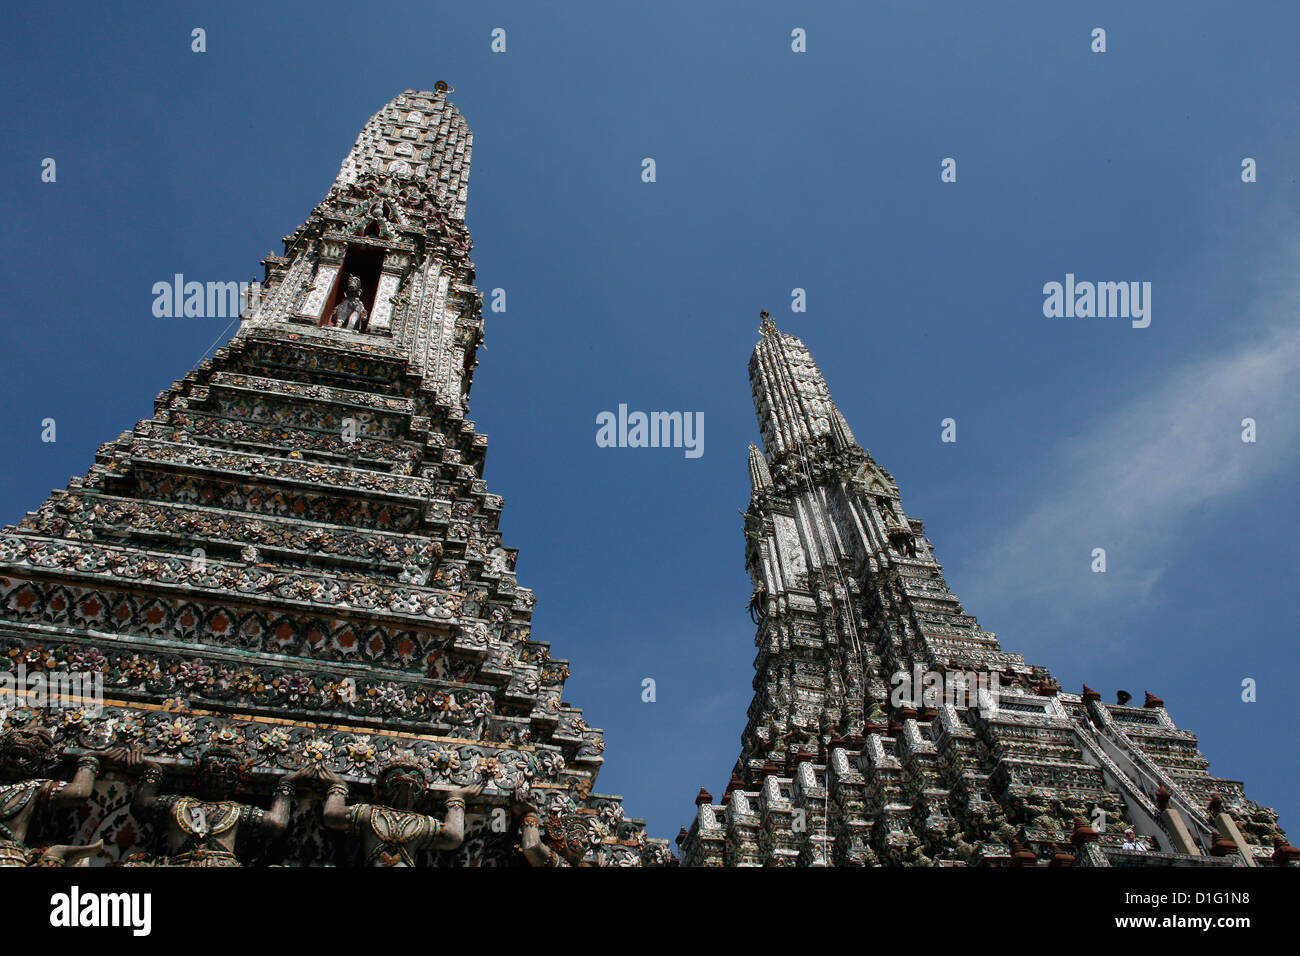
{"x": 776, "y": 170}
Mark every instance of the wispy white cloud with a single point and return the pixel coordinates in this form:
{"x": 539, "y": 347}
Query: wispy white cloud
{"x": 1142, "y": 478}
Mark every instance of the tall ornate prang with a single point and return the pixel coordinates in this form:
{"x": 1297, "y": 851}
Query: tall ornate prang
{"x": 888, "y": 727}
{"x": 297, "y": 562}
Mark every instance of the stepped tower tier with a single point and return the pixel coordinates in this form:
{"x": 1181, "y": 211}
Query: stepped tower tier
{"x": 296, "y": 558}
{"x": 887, "y": 727}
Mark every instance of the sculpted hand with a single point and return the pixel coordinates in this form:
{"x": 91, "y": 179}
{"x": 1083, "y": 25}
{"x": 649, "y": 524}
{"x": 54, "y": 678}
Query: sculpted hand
{"x": 69, "y": 855}
{"x": 129, "y": 758}
{"x": 522, "y": 806}
{"x": 310, "y": 772}
{"x": 322, "y": 772}
{"x": 463, "y": 792}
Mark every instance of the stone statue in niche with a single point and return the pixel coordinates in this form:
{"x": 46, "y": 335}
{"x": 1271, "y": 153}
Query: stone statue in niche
{"x": 350, "y": 313}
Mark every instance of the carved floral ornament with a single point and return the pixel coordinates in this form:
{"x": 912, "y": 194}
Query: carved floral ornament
{"x": 308, "y": 588}
{"x": 199, "y": 681}
{"x": 180, "y": 738}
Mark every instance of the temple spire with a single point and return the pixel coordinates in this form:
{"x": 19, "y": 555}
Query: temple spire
{"x": 307, "y": 511}
{"x": 791, "y": 398}
{"x": 882, "y": 705}
{"x": 383, "y": 262}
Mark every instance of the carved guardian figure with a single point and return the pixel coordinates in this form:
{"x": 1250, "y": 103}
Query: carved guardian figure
{"x": 391, "y": 832}
{"x": 201, "y": 830}
{"x": 25, "y": 748}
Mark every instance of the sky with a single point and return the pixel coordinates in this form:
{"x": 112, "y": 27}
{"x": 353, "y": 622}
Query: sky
{"x": 775, "y": 170}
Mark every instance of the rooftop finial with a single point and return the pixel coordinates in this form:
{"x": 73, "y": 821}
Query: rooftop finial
{"x": 767, "y": 326}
